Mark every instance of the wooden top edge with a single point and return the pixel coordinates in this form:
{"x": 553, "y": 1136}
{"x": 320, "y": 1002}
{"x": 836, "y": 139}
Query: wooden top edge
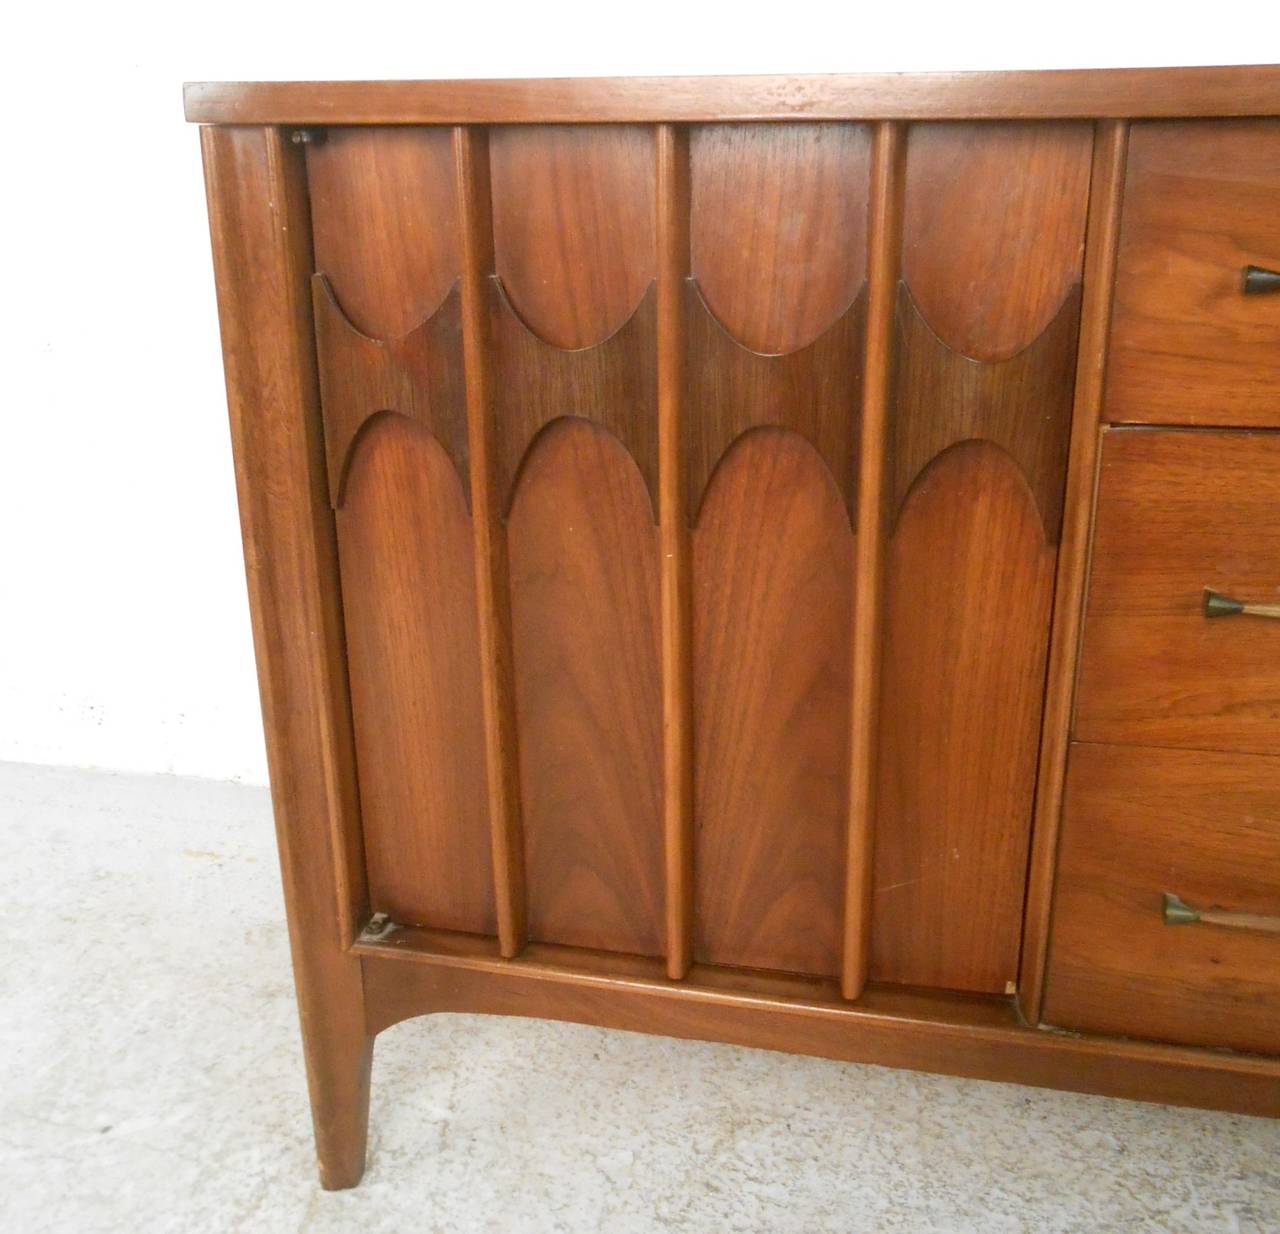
{"x": 1246, "y": 90}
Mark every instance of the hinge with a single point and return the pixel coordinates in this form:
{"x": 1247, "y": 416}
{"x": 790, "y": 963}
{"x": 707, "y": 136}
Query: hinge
{"x": 307, "y": 137}
{"x": 377, "y": 928}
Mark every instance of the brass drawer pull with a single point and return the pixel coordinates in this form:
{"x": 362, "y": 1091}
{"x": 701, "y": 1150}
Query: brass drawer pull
{"x": 1260, "y": 282}
{"x": 1218, "y": 605}
{"x": 1178, "y": 912}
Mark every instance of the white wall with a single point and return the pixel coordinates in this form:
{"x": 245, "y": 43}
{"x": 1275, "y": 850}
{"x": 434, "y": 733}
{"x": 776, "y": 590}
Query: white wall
{"x": 124, "y": 637}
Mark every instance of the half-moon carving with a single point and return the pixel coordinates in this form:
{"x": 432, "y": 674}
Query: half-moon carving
{"x": 778, "y": 227}
{"x": 384, "y": 222}
{"x": 583, "y": 560}
{"x": 969, "y": 581}
{"x": 815, "y": 391}
{"x": 993, "y": 228}
{"x": 772, "y": 628}
{"x": 418, "y": 376}
{"x": 408, "y": 589}
{"x": 611, "y": 383}
{"x": 1023, "y": 404}
{"x": 573, "y": 225}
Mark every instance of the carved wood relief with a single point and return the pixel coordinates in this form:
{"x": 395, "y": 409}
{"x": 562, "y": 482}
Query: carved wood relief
{"x": 988, "y": 313}
{"x": 773, "y": 323}
{"x": 390, "y": 359}
{"x": 572, "y": 324}
{"x": 775, "y": 333}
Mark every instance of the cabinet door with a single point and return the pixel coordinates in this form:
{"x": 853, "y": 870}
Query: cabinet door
{"x": 493, "y": 361}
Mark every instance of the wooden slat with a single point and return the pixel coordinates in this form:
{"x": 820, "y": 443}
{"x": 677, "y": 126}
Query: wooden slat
{"x": 1071, "y": 93}
{"x": 883, "y": 244}
{"x": 1106, "y": 191}
{"x": 677, "y": 683}
{"x": 492, "y": 590}
{"x": 260, "y": 228}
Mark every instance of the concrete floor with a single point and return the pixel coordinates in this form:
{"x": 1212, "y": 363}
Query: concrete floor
{"x": 151, "y": 1080}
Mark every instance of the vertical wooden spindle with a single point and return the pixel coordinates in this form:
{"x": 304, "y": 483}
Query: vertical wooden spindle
{"x": 884, "y": 222}
{"x": 677, "y": 678}
{"x": 471, "y": 157}
{"x": 1106, "y": 192}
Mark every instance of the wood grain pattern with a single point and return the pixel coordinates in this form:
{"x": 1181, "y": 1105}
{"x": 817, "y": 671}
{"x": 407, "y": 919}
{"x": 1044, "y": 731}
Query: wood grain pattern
{"x": 1139, "y": 823}
{"x": 1179, "y": 511}
{"x": 955, "y": 1034}
{"x": 418, "y": 376}
{"x": 992, "y": 244}
{"x": 883, "y": 262}
{"x": 259, "y": 226}
{"x": 384, "y": 223}
{"x": 779, "y": 227}
{"x": 612, "y": 383}
{"x": 573, "y": 226}
{"x": 1187, "y": 346}
{"x": 815, "y": 391}
{"x": 965, "y": 625}
{"x": 493, "y": 591}
{"x": 772, "y": 570}
{"x": 583, "y": 551}
{"x": 993, "y": 232}
{"x": 1022, "y": 405}
{"x": 1106, "y": 189}
{"x": 408, "y": 585}
{"x": 1066, "y": 93}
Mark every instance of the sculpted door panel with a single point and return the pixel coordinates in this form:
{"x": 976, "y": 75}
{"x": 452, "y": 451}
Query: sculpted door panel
{"x": 389, "y": 347}
{"x": 992, "y": 246}
{"x": 538, "y": 246}
{"x": 571, "y": 317}
{"x": 775, "y": 335}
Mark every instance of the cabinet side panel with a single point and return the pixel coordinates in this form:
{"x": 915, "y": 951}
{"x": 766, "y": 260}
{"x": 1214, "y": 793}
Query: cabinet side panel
{"x": 583, "y": 556}
{"x": 260, "y": 231}
{"x": 772, "y": 594}
{"x": 384, "y": 218}
{"x": 988, "y": 315}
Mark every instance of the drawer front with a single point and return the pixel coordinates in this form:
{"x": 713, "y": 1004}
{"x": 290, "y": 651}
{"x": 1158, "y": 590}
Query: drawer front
{"x": 1140, "y": 824}
{"x": 1188, "y": 345}
{"x": 1180, "y": 511}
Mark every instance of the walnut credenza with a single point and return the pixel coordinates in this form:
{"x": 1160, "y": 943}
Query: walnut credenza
{"x": 788, "y": 561}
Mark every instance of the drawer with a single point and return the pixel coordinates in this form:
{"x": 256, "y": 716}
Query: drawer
{"x": 1139, "y": 824}
{"x": 1180, "y": 511}
{"x": 1188, "y": 346}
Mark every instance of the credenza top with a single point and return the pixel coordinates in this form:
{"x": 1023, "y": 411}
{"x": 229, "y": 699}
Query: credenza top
{"x": 1245, "y": 90}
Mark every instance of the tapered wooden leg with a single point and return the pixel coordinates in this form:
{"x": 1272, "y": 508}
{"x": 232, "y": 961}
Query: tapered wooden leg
{"x": 258, "y": 215}
{"x": 339, "y": 1059}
